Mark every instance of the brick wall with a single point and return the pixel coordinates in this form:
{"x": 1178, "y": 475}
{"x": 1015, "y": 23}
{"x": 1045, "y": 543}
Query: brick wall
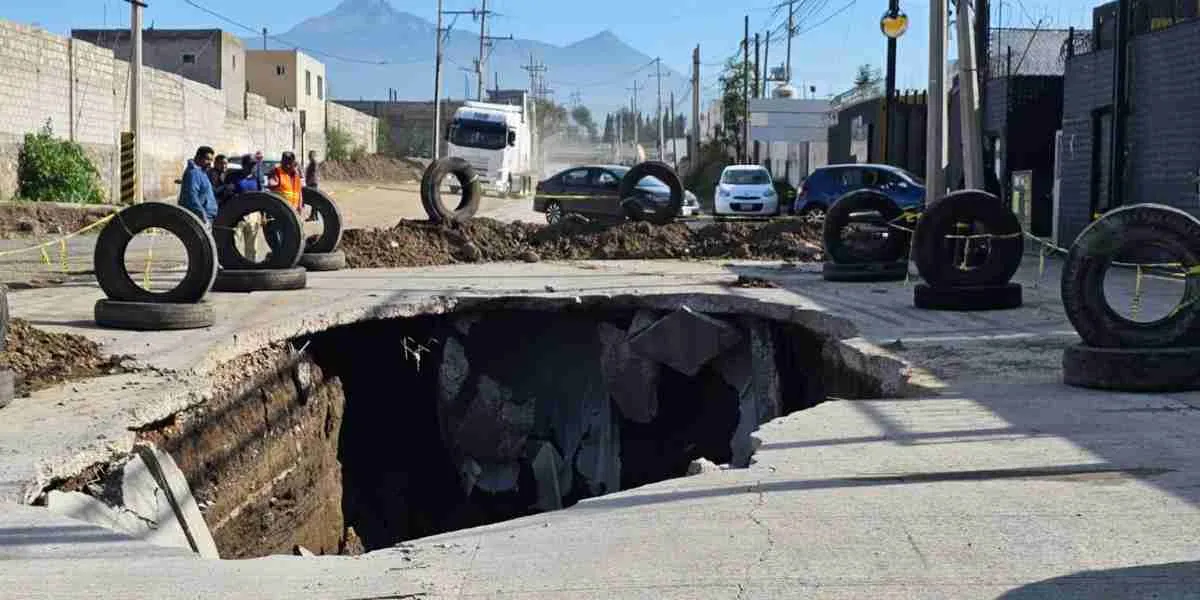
{"x": 361, "y": 127}
{"x": 1163, "y": 125}
{"x": 37, "y": 71}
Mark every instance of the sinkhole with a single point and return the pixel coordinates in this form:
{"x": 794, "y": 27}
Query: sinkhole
{"x": 367, "y": 435}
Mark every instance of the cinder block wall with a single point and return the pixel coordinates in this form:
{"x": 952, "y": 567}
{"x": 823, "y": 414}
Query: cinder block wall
{"x": 361, "y": 127}
{"x": 83, "y": 91}
{"x": 1164, "y": 125}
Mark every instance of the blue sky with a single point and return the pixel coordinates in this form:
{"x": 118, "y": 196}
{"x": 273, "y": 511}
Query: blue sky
{"x": 834, "y": 40}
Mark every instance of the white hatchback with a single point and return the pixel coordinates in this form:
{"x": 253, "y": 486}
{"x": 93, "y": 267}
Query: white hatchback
{"x": 746, "y": 190}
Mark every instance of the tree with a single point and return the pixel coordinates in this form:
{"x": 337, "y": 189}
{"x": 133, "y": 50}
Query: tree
{"x": 583, "y": 118}
{"x": 551, "y": 118}
{"x": 608, "y": 135}
{"x": 733, "y": 107}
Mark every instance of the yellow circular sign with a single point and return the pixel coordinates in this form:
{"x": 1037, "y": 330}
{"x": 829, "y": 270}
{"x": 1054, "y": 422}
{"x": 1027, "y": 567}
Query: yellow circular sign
{"x": 893, "y": 24}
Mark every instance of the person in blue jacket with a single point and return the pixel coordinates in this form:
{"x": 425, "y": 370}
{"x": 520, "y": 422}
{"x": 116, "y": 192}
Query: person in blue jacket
{"x": 195, "y": 189}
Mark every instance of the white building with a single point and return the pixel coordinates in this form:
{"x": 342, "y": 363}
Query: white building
{"x": 789, "y": 135}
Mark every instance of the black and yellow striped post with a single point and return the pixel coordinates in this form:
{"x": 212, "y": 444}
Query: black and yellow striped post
{"x": 129, "y": 173}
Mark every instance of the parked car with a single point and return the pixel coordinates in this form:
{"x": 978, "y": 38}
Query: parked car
{"x": 826, "y": 184}
{"x": 746, "y": 190}
{"x": 592, "y": 191}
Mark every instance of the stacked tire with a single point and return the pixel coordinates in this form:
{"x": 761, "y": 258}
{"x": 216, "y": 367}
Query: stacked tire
{"x": 1119, "y": 353}
{"x": 884, "y": 259}
{"x": 967, "y": 246}
{"x": 130, "y": 306}
{"x": 280, "y": 270}
{"x": 321, "y": 251}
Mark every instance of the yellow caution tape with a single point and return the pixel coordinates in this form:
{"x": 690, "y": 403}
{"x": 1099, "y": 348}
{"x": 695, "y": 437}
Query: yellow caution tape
{"x": 59, "y": 240}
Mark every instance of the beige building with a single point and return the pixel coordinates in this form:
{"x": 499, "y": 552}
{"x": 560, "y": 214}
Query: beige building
{"x": 292, "y": 80}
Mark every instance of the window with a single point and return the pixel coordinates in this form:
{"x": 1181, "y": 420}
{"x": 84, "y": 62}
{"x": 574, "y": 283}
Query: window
{"x": 320, "y": 88}
{"x": 850, "y": 177}
{"x": 234, "y": 62}
{"x": 578, "y": 177}
{"x": 606, "y": 179}
{"x": 189, "y": 59}
{"x": 307, "y": 82}
{"x": 280, "y": 71}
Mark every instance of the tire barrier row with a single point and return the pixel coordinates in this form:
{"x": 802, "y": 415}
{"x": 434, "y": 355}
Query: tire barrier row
{"x": 214, "y": 262}
{"x": 470, "y": 190}
{"x": 1124, "y": 354}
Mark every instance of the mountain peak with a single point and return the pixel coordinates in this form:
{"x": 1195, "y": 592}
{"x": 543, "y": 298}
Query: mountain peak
{"x": 373, "y": 8}
{"x": 604, "y": 37}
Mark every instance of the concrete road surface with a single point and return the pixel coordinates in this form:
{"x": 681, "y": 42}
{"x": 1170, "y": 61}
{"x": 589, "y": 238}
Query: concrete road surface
{"x": 986, "y": 478}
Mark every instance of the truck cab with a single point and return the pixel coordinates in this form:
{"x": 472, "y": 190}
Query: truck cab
{"x": 497, "y": 141}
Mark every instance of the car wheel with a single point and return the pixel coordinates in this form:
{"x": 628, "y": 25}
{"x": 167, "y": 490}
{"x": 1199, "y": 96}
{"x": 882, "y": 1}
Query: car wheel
{"x": 554, "y": 213}
{"x": 813, "y": 214}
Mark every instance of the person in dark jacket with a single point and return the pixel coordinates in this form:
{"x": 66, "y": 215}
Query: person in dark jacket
{"x": 312, "y": 173}
{"x": 196, "y": 190}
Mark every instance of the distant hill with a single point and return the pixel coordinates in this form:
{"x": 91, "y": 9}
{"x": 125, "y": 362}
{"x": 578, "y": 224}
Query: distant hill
{"x": 600, "y": 67}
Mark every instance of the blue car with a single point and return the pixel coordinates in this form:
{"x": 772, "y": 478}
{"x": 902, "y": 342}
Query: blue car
{"x": 826, "y": 184}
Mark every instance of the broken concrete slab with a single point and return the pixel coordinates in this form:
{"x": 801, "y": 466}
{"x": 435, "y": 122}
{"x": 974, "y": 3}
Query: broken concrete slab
{"x": 179, "y": 494}
{"x": 497, "y": 478}
{"x": 599, "y": 457}
{"x": 547, "y": 465}
{"x": 82, "y": 507}
{"x": 701, "y": 466}
{"x": 142, "y": 496}
{"x": 685, "y": 340}
{"x": 494, "y": 427}
{"x": 299, "y": 550}
{"x": 632, "y": 380}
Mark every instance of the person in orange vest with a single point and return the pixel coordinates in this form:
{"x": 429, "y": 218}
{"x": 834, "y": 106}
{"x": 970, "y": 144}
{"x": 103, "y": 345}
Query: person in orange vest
{"x": 284, "y": 180}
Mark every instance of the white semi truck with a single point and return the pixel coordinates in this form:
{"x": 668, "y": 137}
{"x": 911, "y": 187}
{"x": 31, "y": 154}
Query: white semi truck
{"x": 500, "y": 143}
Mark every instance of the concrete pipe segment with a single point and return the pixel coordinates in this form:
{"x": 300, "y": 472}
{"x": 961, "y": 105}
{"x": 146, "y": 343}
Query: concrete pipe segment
{"x": 1124, "y": 354}
{"x": 130, "y": 306}
{"x": 967, "y": 247}
{"x": 470, "y": 190}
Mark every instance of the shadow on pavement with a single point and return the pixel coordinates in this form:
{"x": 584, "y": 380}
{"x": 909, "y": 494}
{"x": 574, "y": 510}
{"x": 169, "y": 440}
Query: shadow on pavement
{"x": 1167, "y": 581}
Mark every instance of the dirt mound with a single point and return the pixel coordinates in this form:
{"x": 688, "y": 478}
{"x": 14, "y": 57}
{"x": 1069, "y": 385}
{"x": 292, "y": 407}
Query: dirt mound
{"x": 41, "y": 359}
{"x": 374, "y": 167}
{"x": 24, "y": 219}
{"x": 420, "y": 243}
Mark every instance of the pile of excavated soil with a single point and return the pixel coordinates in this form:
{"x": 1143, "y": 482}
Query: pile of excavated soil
{"x": 41, "y": 359}
{"x": 22, "y": 219}
{"x": 374, "y": 167}
{"x": 420, "y": 243}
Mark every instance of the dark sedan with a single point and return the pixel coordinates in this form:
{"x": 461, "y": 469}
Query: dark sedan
{"x": 591, "y": 191}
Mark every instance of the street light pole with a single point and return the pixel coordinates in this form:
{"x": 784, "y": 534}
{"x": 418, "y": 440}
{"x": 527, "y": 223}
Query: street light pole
{"x": 893, "y": 24}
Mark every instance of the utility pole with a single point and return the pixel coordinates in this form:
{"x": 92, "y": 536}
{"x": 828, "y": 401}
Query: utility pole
{"x": 694, "y": 151}
{"x": 766, "y": 66}
{"x": 787, "y": 76}
{"x": 936, "y": 105}
{"x": 746, "y": 90}
{"x": 968, "y": 97}
{"x": 674, "y": 137}
{"x": 536, "y": 87}
{"x": 1120, "y": 104}
{"x": 437, "y": 88}
{"x": 757, "y": 67}
{"x": 635, "y": 114}
{"x": 659, "y": 112}
{"x": 264, "y": 38}
{"x": 483, "y": 13}
{"x": 135, "y": 94}
{"x": 620, "y": 135}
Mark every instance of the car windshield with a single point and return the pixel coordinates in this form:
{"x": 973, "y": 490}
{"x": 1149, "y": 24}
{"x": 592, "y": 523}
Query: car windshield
{"x": 746, "y": 177}
{"x": 478, "y": 134}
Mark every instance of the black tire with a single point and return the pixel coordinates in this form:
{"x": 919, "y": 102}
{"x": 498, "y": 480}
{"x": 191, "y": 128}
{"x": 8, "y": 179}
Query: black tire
{"x": 325, "y": 261}
{"x": 662, "y": 172}
{"x": 990, "y": 297}
{"x": 8, "y": 387}
{"x": 838, "y": 216}
{"x": 1132, "y": 369}
{"x": 431, "y": 194}
{"x": 153, "y": 316}
{"x": 935, "y": 255}
{"x": 108, "y": 259}
{"x": 261, "y": 280}
{"x": 276, "y": 209}
{"x": 862, "y": 272}
{"x": 1092, "y": 254}
{"x": 331, "y": 217}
